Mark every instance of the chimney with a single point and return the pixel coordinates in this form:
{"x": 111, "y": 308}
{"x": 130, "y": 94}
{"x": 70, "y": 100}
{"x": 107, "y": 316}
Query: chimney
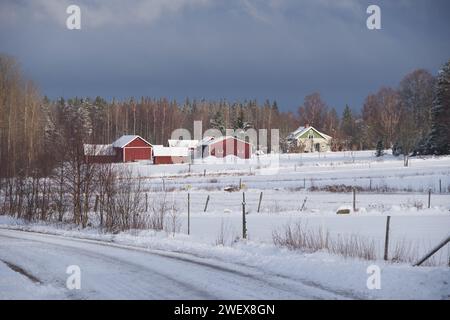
{"x": 306, "y": 125}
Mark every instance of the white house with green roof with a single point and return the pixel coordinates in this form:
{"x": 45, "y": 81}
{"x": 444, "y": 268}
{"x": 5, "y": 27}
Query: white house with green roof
{"x": 309, "y": 139}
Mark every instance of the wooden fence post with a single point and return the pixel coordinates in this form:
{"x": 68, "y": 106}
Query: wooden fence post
{"x": 206, "y": 204}
{"x": 436, "y": 249}
{"x": 429, "y": 198}
{"x": 189, "y": 214}
{"x": 240, "y": 183}
{"x": 386, "y": 239}
{"x": 244, "y": 222}
{"x": 304, "y": 203}
{"x": 260, "y": 199}
{"x": 354, "y": 199}
{"x": 146, "y": 202}
{"x": 440, "y": 186}
{"x": 204, "y": 173}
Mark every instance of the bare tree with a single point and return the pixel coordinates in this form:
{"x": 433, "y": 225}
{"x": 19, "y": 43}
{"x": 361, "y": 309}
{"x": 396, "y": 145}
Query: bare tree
{"x": 313, "y": 111}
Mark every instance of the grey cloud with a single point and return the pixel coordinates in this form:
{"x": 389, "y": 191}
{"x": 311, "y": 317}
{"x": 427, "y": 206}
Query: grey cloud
{"x": 97, "y": 13}
{"x": 235, "y": 49}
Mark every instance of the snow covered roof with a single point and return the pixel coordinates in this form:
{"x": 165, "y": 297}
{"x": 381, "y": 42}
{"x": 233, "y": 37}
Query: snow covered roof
{"x": 98, "y": 150}
{"x": 210, "y": 140}
{"x": 126, "y": 139}
{"x": 160, "y": 151}
{"x": 302, "y": 130}
{"x": 183, "y": 143}
{"x": 205, "y": 140}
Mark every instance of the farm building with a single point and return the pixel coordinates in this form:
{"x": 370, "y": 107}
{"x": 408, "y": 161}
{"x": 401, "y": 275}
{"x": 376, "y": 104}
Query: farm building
{"x": 191, "y": 145}
{"x": 170, "y": 155}
{"x": 225, "y": 146}
{"x": 132, "y": 148}
{"x": 100, "y": 153}
{"x": 125, "y": 149}
{"x": 309, "y": 139}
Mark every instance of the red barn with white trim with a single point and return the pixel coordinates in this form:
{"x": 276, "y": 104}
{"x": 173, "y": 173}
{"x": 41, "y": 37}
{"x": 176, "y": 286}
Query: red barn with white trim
{"x": 132, "y": 148}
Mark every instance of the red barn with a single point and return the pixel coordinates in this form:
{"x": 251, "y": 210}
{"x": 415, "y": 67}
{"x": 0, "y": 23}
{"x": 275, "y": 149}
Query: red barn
{"x": 226, "y": 146}
{"x": 132, "y": 148}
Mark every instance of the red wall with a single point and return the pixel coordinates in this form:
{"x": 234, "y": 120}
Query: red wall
{"x": 169, "y": 160}
{"x": 140, "y": 153}
{"x": 230, "y": 146}
{"x": 137, "y": 149}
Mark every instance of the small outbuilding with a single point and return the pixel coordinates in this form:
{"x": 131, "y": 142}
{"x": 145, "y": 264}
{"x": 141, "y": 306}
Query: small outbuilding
{"x": 170, "y": 155}
{"x": 100, "y": 153}
{"x": 130, "y": 148}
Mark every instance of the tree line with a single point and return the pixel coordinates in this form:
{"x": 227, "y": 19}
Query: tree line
{"x": 35, "y": 132}
{"x": 44, "y": 175}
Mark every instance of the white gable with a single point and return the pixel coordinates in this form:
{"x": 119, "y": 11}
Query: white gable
{"x": 302, "y": 130}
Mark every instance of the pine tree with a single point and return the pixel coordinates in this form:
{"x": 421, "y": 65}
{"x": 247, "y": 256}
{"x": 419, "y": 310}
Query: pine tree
{"x": 439, "y": 139}
{"x": 380, "y": 149}
{"x": 240, "y": 123}
{"x": 347, "y": 122}
{"x": 217, "y": 122}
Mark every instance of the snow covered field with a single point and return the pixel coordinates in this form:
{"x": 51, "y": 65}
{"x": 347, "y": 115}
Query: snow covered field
{"x": 294, "y": 171}
{"x": 386, "y": 187}
{"x": 293, "y": 189}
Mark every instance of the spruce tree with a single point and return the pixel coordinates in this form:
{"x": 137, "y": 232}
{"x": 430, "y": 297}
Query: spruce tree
{"x": 439, "y": 140}
{"x": 380, "y": 149}
{"x": 239, "y": 122}
{"x": 218, "y": 122}
{"x": 347, "y": 123}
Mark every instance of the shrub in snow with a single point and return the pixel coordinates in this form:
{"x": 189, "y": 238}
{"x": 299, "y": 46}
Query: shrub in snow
{"x": 300, "y": 237}
{"x": 380, "y": 149}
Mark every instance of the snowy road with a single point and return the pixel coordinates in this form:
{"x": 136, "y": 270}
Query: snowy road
{"x": 34, "y": 265}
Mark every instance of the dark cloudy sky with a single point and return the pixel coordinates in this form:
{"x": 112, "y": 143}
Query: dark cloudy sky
{"x": 234, "y": 49}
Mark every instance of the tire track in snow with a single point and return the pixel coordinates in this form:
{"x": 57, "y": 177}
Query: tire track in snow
{"x": 18, "y": 269}
{"x": 295, "y": 287}
{"x": 113, "y": 282}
